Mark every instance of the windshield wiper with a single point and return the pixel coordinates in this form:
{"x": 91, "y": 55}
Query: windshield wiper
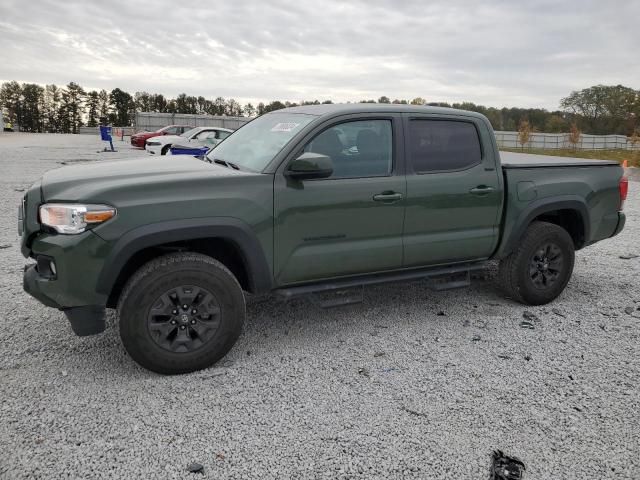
{"x": 226, "y": 163}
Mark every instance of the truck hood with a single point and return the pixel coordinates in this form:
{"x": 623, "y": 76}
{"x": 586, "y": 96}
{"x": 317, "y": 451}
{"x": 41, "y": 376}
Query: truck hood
{"x": 94, "y": 182}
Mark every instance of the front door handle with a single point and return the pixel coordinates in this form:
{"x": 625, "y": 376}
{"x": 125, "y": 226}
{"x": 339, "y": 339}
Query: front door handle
{"x": 481, "y": 190}
{"x": 387, "y": 197}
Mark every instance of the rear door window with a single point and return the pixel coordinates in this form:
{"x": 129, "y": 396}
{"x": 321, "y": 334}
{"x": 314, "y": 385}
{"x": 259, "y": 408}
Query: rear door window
{"x": 442, "y": 145}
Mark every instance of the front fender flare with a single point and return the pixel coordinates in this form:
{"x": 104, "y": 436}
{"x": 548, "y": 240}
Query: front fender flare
{"x": 227, "y": 228}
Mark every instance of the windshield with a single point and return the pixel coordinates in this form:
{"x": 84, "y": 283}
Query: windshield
{"x": 191, "y": 132}
{"x": 255, "y": 144}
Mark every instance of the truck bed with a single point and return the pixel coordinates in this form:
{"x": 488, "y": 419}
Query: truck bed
{"x": 528, "y": 160}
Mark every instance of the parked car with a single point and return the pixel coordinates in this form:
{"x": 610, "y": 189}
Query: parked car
{"x": 287, "y": 205}
{"x": 198, "y": 137}
{"x": 139, "y": 139}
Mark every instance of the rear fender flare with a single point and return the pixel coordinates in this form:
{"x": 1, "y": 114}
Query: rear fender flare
{"x": 540, "y": 207}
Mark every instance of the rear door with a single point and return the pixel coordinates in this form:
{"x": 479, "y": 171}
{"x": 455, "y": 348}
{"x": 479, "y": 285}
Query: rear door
{"x": 454, "y": 192}
{"x": 349, "y": 223}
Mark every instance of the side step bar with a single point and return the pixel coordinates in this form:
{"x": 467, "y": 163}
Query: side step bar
{"x": 461, "y": 280}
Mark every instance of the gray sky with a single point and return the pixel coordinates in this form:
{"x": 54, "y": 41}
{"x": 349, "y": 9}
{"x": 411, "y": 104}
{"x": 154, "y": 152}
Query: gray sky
{"x": 492, "y": 52}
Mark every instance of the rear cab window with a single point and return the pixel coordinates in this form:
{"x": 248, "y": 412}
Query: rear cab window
{"x": 436, "y": 145}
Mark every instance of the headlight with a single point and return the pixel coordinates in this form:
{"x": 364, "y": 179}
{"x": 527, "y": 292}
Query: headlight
{"x": 72, "y": 218}
{"x": 153, "y": 144}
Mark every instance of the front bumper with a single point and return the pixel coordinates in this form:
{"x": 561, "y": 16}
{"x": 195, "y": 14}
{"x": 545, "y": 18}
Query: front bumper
{"x": 37, "y": 286}
{"x": 154, "y": 149}
{"x": 79, "y": 259}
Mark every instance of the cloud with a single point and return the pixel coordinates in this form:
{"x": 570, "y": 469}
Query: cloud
{"x": 493, "y": 52}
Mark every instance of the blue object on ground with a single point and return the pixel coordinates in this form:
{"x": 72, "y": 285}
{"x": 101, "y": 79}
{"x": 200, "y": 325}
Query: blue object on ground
{"x": 105, "y": 135}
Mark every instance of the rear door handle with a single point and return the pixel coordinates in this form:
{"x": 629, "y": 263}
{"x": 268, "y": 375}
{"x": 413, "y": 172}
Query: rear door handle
{"x": 481, "y": 190}
{"x": 387, "y": 197}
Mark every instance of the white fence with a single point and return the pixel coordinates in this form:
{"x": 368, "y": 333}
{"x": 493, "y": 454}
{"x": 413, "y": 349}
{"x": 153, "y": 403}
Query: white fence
{"x": 561, "y": 140}
{"x": 152, "y": 121}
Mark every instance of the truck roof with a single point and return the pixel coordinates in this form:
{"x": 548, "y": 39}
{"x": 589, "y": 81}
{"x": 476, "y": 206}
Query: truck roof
{"x": 347, "y": 108}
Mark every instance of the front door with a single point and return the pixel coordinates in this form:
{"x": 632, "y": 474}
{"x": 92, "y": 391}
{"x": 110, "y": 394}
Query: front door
{"x": 351, "y": 222}
{"x": 454, "y": 193}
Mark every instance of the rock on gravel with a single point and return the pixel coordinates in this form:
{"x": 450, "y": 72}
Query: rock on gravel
{"x": 297, "y": 407}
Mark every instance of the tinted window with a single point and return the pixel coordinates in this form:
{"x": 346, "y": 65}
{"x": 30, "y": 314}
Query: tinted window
{"x": 436, "y": 145}
{"x": 173, "y": 130}
{"x": 357, "y": 149}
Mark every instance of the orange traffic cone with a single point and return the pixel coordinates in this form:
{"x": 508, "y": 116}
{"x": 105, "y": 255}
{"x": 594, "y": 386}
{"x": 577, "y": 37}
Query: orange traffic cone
{"x": 625, "y": 164}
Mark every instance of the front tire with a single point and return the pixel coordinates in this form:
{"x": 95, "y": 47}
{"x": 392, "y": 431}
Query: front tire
{"x": 180, "y": 313}
{"x": 165, "y": 150}
{"x": 540, "y": 267}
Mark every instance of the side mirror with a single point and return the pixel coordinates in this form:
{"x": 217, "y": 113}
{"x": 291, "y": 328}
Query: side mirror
{"x": 310, "y": 165}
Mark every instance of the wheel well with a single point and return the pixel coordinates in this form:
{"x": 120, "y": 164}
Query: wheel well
{"x": 570, "y": 220}
{"x": 225, "y": 251}
{"x": 165, "y": 148}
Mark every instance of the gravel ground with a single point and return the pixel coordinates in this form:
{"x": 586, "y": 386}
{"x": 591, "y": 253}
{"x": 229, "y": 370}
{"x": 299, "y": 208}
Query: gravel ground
{"x": 410, "y": 384}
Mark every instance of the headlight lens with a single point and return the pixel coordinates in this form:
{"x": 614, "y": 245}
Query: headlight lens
{"x": 153, "y": 144}
{"x": 73, "y": 218}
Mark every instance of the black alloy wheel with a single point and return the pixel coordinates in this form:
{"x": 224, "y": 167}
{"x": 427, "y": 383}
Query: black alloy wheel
{"x": 183, "y": 319}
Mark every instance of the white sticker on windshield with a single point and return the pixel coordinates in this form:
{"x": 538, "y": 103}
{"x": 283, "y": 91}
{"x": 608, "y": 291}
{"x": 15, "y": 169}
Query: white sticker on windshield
{"x": 284, "y": 127}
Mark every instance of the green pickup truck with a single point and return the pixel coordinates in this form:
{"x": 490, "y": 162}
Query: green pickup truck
{"x": 299, "y": 201}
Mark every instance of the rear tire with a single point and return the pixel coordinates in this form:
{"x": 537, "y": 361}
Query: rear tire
{"x": 538, "y": 270}
{"x": 180, "y": 313}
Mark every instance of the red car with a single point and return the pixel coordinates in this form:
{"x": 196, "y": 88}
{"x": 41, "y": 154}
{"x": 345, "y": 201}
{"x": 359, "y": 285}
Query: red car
{"x": 138, "y": 139}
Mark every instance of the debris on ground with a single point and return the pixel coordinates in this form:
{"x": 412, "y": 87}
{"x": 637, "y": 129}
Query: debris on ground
{"x": 557, "y": 311}
{"x": 379, "y": 354}
{"x": 5, "y": 245}
{"x": 363, "y": 371}
{"x": 195, "y": 468}
{"x": 527, "y": 324}
{"x": 530, "y": 316}
{"x": 628, "y": 310}
{"x": 504, "y": 467}
{"x": 629, "y": 256}
{"x": 414, "y": 412}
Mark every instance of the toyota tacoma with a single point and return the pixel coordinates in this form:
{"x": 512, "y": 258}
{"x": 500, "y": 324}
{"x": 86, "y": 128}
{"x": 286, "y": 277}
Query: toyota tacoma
{"x": 300, "y": 201}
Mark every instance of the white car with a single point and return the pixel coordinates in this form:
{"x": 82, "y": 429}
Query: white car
{"x": 198, "y": 137}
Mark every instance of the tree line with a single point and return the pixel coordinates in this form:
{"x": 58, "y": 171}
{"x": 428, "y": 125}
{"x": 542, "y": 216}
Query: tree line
{"x": 601, "y": 109}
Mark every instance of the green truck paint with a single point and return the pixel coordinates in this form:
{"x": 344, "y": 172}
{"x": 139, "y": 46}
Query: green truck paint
{"x": 277, "y": 230}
